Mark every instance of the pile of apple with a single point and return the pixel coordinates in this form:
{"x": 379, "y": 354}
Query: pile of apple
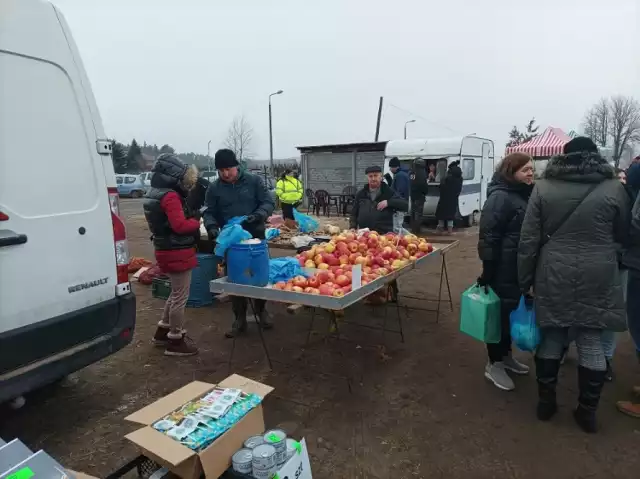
{"x": 378, "y": 254}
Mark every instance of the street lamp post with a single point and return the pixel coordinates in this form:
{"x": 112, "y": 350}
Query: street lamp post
{"x": 405, "y": 127}
{"x": 279, "y": 92}
{"x": 209, "y": 154}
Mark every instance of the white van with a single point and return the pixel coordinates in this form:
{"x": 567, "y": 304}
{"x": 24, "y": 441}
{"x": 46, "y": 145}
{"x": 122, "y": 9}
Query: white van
{"x": 65, "y": 297}
{"x": 476, "y": 156}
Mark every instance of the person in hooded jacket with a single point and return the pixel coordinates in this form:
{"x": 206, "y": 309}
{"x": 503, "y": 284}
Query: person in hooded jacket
{"x": 570, "y": 244}
{"x": 401, "y": 185}
{"x": 418, "y": 194}
{"x": 173, "y": 226}
{"x": 631, "y": 261}
{"x": 450, "y": 189}
{"x": 502, "y": 216}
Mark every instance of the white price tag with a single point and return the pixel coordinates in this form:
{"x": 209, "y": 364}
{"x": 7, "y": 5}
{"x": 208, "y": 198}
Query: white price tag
{"x": 356, "y": 276}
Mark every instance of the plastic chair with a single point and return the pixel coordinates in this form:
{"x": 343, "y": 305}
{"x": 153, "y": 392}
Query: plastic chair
{"x": 311, "y": 200}
{"x": 347, "y": 200}
{"x": 325, "y": 201}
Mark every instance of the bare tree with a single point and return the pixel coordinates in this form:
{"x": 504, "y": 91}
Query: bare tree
{"x": 240, "y": 137}
{"x": 625, "y": 124}
{"x": 596, "y": 122}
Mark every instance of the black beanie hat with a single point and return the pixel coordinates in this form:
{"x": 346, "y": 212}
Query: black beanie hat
{"x": 394, "y": 163}
{"x": 580, "y": 144}
{"x": 225, "y": 158}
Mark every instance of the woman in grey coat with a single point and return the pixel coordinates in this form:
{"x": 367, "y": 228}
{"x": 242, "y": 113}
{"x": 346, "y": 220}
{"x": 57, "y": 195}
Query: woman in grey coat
{"x": 570, "y": 242}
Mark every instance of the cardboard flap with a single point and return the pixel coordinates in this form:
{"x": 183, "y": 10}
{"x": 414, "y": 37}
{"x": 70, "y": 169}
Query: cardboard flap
{"x": 216, "y": 458}
{"x": 161, "y": 445}
{"x": 247, "y": 385}
{"x": 169, "y": 403}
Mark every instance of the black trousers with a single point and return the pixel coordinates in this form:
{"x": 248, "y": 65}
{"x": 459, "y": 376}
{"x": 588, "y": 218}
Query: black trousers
{"x": 239, "y": 306}
{"x": 417, "y": 209}
{"x": 498, "y": 351}
{"x": 287, "y": 211}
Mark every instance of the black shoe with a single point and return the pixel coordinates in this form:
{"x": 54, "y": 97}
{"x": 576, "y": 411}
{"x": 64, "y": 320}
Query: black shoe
{"x": 609, "y": 376}
{"x": 590, "y": 383}
{"x": 547, "y": 375}
{"x": 239, "y": 326}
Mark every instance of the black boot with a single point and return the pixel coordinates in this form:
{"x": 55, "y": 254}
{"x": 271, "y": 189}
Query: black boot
{"x": 590, "y": 383}
{"x": 547, "y": 374}
{"x": 239, "y": 326}
{"x": 260, "y": 304}
{"x": 609, "y": 376}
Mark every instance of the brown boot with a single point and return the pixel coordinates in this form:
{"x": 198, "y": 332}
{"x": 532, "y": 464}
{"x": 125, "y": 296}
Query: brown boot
{"x": 160, "y": 337}
{"x": 629, "y": 408}
{"x": 180, "y": 345}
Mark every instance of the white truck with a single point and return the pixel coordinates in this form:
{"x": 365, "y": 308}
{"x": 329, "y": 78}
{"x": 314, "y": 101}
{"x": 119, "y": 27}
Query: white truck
{"x": 476, "y": 156}
{"x": 65, "y": 297}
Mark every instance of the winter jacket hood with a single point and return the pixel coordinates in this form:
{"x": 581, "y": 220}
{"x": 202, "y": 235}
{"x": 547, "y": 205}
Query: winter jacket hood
{"x": 168, "y": 172}
{"x": 570, "y": 244}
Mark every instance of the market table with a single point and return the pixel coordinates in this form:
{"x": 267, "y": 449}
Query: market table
{"x": 332, "y": 304}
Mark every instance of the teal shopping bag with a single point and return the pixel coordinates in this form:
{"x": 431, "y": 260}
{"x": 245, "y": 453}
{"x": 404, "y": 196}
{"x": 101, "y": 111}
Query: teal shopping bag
{"x": 480, "y": 314}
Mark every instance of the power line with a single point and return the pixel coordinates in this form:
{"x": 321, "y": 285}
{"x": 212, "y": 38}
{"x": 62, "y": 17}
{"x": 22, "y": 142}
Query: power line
{"x": 422, "y": 118}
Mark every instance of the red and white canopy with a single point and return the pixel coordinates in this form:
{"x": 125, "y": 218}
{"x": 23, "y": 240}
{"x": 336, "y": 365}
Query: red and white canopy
{"x": 548, "y": 144}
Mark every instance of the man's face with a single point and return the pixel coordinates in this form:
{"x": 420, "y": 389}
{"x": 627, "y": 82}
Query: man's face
{"x": 374, "y": 180}
{"x": 394, "y": 169}
{"x": 228, "y": 175}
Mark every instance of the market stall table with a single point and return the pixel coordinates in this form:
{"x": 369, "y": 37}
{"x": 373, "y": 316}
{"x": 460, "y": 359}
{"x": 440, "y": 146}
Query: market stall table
{"x": 335, "y": 303}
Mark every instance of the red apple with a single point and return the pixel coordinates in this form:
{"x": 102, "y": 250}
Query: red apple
{"x": 300, "y": 281}
{"x": 353, "y": 246}
{"x": 279, "y": 285}
{"x": 346, "y": 289}
{"x": 338, "y": 292}
{"x": 325, "y": 290}
{"x": 343, "y": 259}
{"x": 288, "y": 287}
{"x": 313, "y": 282}
{"x": 323, "y": 276}
{"x": 342, "y": 280}
{"x": 353, "y": 257}
{"x": 323, "y": 266}
{"x": 297, "y": 289}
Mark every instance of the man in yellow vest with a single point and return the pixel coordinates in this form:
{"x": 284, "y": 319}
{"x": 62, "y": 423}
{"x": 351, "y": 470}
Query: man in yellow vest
{"x": 289, "y": 191}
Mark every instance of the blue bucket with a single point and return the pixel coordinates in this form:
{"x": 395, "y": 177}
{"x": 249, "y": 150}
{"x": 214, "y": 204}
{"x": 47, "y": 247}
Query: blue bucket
{"x": 248, "y": 264}
{"x": 206, "y": 271}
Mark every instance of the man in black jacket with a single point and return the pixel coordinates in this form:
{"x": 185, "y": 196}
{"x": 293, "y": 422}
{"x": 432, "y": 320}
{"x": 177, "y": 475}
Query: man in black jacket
{"x": 376, "y": 203}
{"x": 238, "y": 193}
{"x": 418, "y": 194}
{"x": 374, "y": 208}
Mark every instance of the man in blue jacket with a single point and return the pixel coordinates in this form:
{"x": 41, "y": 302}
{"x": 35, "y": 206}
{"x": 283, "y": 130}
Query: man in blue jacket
{"x": 238, "y": 193}
{"x": 402, "y": 185}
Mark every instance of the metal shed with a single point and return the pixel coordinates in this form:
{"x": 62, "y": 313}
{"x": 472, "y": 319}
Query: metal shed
{"x": 333, "y": 167}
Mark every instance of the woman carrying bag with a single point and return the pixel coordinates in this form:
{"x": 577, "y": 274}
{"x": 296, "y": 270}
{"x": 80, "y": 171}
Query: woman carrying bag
{"x": 289, "y": 191}
{"x": 500, "y": 223}
{"x": 571, "y": 238}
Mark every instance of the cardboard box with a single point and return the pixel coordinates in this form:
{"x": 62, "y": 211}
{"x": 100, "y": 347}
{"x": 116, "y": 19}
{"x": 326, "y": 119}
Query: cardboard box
{"x": 181, "y": 460}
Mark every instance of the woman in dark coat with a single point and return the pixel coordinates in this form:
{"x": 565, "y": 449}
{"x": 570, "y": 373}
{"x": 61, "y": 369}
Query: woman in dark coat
{"x": 570, "y": 244}
{"x": 450, "y": 189}
{"x": 500, "y": 223}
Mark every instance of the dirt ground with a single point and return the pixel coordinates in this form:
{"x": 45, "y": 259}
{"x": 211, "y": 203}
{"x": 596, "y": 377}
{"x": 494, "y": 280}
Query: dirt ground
{"x": 419, "y": 409}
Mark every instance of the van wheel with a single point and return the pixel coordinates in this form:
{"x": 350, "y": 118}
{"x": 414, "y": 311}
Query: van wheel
{"x": 472, "y": 219}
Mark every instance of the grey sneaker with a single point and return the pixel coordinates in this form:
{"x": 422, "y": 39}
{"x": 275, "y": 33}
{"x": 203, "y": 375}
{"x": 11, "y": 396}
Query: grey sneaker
{"x": 498, "y": 376}
{"x": 515, "y": 366}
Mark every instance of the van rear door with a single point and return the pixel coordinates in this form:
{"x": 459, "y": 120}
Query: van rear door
{"x": 53, "y": 192}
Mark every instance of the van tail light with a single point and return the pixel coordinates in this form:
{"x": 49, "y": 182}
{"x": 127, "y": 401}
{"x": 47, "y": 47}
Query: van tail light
{"x": 121, "y": 245}
{"x": 3, "y": 216}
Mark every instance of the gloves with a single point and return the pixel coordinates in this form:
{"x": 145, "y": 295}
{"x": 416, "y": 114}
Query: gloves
{"x": 488, "y": 273}
{"x": 213, "y": 232}
{"x": 252, "y": 219}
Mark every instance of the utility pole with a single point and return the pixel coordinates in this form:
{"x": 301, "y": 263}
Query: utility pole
{"x": 279, "y": 92}
{"x": 379, "y": 118}
{"x": 209, "y": 154}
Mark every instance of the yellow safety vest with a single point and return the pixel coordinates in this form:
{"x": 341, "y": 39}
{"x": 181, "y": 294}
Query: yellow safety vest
{"x": 289, "y": 190}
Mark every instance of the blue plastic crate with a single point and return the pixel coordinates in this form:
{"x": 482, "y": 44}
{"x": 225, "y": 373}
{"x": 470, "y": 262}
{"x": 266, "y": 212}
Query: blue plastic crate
{"x": 201, "y": 276}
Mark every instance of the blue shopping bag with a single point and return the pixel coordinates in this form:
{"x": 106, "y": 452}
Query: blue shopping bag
{"x": 306, "y": 224}
{"x": 524, "y": 329}
{"x": 232, "y": 233}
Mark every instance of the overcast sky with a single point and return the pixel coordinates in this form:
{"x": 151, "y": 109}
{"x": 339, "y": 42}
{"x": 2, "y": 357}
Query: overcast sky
{"x": 178, "y": 72}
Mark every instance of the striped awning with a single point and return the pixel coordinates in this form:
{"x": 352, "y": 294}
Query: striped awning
{"x": 548, "y": 144}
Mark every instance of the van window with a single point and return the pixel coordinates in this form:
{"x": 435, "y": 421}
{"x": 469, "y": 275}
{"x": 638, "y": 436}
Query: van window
{"x": 468, "y": 169}
{"x": 130, "y": 179}
{"x": 42, "y": 132}
{"x": 119, "y": 180}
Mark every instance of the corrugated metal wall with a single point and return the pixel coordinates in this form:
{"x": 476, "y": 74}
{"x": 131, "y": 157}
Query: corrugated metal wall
{"x": 334, "y": 171}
